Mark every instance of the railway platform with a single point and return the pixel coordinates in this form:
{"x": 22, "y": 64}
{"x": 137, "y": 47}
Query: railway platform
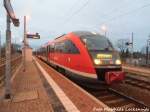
{"x": 42, "y": 89}
{"x": 28, "y": 93}
{"x": 137, "y": 70}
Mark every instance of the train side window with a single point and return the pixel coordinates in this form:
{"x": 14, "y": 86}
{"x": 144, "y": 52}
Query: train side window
{"x": 70, "y": 47}
{"x": 52, "y": 48}
{"x": 49, "y": 48}
{"x": 56, "y": 48}
{"x": 62, "y": 47}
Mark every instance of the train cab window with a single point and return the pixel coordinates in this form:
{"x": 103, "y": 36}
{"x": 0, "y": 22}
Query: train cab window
{"x": 96, "y": 43}
{"x": 70, "y": 47}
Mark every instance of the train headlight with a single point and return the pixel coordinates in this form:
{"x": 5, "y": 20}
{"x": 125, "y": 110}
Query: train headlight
{"x": 118, "y": 62}
{"x": 97, "y": 61}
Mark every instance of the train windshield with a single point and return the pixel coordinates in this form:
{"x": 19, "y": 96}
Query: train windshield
{"x": 97, "y": 43}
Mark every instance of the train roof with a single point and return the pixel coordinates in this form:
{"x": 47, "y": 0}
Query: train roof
{"x": 60, "y": 36}
{"x": 83, "y": 33}
{"x": 78, "y": 33}
{"x": 46, "y": 44}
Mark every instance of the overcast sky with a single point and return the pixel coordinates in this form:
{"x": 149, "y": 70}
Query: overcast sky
{"x": 52, "y": 18}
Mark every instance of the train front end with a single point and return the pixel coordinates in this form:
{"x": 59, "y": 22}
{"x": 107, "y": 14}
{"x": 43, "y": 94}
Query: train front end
{"x": 106, "y": 59}
{"x": 108, "y": 66}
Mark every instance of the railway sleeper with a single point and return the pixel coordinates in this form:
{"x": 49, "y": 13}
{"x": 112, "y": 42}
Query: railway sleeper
{"x": 123, "y": 105}
{"x": 133, "y": 82}
{"x": 129, "y": 105}
{"x": 112, "y": 98}
{"x": 115, "y": 101}
{"x": 93, "y": 89}
{"x": 101, "y": 93}
{"x": 147, "y": 86}
{"x": 105, "y": 97}
{"x": 137, "y": 83}
{"x": 142, "y": 84}
{"x": 138, "y": 79}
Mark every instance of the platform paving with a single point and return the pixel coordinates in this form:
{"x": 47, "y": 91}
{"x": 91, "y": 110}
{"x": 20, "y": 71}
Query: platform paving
{"x": 29, "y": 94}
{"x": 46, "y": 90}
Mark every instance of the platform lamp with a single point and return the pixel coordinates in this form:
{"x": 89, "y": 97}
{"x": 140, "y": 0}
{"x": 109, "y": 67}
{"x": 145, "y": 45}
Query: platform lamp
{"x": 0, "y": 46}
{"x": 147, "y": 50}
{"x": 26, "y": 18}
{"x": 104, "y": 29}
{"x": 10, "y": 17}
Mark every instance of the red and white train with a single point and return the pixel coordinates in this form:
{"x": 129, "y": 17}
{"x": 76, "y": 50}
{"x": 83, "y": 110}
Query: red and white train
{"x": 85, "y": 54}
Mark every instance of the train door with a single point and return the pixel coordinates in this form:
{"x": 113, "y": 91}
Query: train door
{"x": 60, "y": 54}
{"x": 72, "y": 54}
{"x": 47, "y": 53}
{"x": 52, "y": 48}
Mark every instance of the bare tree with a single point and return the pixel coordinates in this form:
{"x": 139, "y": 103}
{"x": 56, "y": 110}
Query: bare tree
{"x": 121, "y": 44}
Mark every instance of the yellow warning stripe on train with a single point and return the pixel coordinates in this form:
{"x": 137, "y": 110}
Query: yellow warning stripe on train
{"x": 104, "y": 56}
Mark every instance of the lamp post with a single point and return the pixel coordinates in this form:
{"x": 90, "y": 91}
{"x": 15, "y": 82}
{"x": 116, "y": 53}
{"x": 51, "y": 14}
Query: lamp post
{"x": 10, "y": 17}
{"x": 147, "y": 51}
{"x": 132, "y": 48}
{"x": 26, "y": 35}
{"x": 0, "y": 46}
{"x": 104, "y": 29}
{"x": 25, "y": 45}
{"x": 8, "y": 60}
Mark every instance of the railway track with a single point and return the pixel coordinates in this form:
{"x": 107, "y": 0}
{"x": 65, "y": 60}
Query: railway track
{"x": 109, "y": 96}
{"x": 113, "y": 98}
{"x": 138, "y": 82}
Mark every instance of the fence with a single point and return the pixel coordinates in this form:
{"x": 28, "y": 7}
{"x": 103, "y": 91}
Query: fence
{"x": 16, "y": 60}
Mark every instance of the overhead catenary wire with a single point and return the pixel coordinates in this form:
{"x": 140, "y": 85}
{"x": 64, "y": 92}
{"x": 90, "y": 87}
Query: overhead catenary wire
{"x": 72, "y": 7}
{"x": 125, "y": 14}
{"x": 130, "y": 12}
{"x": 77, "y": 11}
{"x": 109, "y": 20}
{"x": 116, "y": 9}
{"x": 81, "y": 8}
